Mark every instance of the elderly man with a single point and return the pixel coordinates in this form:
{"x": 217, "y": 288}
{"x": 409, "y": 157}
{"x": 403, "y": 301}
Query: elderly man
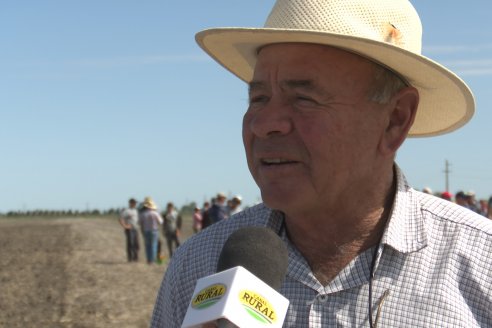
{"x": 335, "y": 87}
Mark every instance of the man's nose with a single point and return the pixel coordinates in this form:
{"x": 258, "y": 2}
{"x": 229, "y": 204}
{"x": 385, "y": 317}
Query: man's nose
{"x": 272, "y": 119}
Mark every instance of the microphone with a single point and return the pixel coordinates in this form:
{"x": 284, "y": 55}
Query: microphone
{"x": 251, "y": 268}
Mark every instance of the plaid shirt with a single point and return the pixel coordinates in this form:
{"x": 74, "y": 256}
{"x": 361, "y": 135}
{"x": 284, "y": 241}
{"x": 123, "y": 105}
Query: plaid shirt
{"x": 433, "y": 269}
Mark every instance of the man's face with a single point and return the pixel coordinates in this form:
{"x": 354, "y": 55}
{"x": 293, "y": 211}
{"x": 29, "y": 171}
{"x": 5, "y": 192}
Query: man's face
{"x": 310, "y": 132}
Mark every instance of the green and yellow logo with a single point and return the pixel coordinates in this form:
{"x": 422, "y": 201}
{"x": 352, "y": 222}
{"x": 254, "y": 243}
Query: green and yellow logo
{"x": 208, "y": 296}
{"x": 258, "y": 307}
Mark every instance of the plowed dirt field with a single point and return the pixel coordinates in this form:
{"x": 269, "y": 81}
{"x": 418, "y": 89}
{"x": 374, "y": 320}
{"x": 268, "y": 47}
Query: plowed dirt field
{"x": 72, "y": 273}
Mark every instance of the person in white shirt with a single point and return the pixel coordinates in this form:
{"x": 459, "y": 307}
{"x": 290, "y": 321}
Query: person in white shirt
{"x": 129, "y": 220}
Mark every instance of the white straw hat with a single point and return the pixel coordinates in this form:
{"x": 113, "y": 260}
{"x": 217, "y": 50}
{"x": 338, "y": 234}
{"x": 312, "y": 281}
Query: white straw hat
{"x": 387, "y": 32}
{"x": 149, "y": 203}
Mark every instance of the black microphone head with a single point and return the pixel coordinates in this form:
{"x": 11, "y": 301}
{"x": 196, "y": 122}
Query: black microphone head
{"x": 260, "y": 251}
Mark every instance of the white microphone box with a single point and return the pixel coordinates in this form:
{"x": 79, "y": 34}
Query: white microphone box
{"x": 238, "y": 296}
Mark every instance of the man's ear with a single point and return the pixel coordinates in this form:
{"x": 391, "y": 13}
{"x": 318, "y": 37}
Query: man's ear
{"x": 402, "y": 111}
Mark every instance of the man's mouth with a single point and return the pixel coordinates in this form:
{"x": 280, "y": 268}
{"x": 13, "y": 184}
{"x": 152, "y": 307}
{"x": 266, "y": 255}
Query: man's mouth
{"x": 276, "y": 161}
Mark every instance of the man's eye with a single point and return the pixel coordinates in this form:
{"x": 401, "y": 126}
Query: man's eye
{"x": 258, "y": 99}
{"x": 305, "y": 100}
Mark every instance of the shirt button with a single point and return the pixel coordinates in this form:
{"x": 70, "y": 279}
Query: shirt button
{"x": 322, "y": 298}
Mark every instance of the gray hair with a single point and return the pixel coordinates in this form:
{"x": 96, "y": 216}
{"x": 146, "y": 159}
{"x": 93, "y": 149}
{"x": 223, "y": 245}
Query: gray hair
{"x": 386, "y": 84}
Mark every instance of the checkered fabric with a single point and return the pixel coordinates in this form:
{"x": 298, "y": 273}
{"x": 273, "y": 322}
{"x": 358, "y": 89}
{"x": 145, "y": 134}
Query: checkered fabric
{"x": 434, "y": 270}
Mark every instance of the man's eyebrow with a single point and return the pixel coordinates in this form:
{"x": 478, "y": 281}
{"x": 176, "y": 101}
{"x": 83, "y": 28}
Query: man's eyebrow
{"x": 299, "y": 84}
{"x": 288, "y": 84}
{"x": 256, "y": 85}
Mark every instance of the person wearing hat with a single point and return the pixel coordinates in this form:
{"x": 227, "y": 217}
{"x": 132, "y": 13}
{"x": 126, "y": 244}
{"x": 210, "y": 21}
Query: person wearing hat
{"x": 235, "y": 206}
{"x": 335, "y": 87}
{"x": 461, "y": 199}
{"x": 472, "y": 201}
{"x": 149, "y": 220}
{"x": 427, "y": 190}
{"x": 218, "y": 211}
{"x": 447, "y": 196}
{"x": 129, "y": 221}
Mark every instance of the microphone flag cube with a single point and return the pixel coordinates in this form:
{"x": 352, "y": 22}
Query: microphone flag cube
{"x": 238, "y": 296}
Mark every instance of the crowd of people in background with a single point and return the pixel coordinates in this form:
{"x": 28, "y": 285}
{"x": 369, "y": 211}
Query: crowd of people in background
{"x": 146, "y": 217}
{"x": 466, "y": 199}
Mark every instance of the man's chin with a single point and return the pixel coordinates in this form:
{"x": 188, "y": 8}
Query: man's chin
{"x": 278, "y": 200}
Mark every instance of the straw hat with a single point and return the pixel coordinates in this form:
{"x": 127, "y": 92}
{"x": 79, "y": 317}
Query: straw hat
{"x": 149, "y": 203}
{"x": 387, "y": 32}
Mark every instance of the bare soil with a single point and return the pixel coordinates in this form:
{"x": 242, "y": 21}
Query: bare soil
{"x": 73, "y": 272}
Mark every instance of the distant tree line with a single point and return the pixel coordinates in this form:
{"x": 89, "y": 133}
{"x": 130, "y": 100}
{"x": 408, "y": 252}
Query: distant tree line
{"x": 185, "y": 210}
{"x": 61, "y": 213}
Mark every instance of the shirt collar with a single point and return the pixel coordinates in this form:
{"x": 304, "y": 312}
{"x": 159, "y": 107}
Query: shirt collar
{"x": 405, "y": 230}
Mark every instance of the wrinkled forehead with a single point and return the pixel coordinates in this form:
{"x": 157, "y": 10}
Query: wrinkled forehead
{"x": 309, "y": 53}
{"x": 323, "y": 53}
{"x": 294, "y": 66}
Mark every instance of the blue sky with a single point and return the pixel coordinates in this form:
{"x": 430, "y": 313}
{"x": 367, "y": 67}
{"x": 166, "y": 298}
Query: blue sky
{"x": 105, "y": 100}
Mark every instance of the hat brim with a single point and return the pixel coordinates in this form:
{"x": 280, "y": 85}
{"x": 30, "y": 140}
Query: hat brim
{"x": 150, "y": 206}
{"x": 446, "y": 102}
